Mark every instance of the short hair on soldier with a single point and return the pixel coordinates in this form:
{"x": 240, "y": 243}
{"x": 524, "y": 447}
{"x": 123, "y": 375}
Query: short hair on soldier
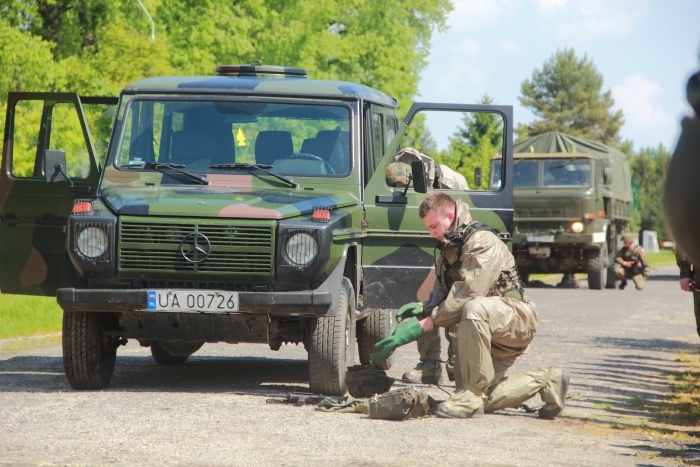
{"x": 441, "y": 202}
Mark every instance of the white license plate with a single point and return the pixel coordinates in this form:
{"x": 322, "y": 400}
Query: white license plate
{"x": 540, "y": 238}
{"x": 540, "y": 251}
{"x": 206, "y": 301}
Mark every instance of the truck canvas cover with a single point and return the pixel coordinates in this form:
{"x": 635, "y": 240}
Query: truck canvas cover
{"x": 558, "y": 142}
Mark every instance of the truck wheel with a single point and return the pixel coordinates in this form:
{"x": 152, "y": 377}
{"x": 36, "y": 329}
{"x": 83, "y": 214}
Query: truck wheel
{"x": 332, "y": 346}
{"x": 524, "y": 274}
{"x": 595, "y": 264}
{"x": 370, "y": 330}
{"x": 173, "y": 354}
{"x": 88, "y": 355}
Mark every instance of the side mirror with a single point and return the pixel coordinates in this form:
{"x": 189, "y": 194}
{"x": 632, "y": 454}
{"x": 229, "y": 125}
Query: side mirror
{"x": 418, "y": 173}
{"x": 477, "y": 178}
{"x": 55, "y": 166}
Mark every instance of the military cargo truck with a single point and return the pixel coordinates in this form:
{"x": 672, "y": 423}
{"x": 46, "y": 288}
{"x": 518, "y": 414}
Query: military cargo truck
{"x": 572, "y": 200}
{"x": 247, "y": 206}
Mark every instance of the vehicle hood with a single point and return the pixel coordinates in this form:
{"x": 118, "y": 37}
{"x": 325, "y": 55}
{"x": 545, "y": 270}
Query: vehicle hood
{"x": 220, "y": 202}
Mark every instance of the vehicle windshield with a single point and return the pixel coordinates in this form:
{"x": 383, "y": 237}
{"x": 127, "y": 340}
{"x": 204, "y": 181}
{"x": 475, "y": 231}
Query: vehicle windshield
{"x": 564, "y": 173}
{"x": 209, "y": 136}
{"x": 534, "y": 173}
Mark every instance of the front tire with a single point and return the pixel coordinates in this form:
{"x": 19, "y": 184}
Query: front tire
{"x": 89, "y": 354}
{"x": 595, "y": 264}
{"x": 332, "y": 345}
{"x": 370, "y": 330}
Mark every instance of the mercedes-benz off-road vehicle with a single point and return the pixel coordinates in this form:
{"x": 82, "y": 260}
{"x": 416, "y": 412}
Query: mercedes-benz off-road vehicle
{"x": 248, "y": 206}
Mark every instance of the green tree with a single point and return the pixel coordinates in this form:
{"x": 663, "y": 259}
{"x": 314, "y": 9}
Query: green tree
{"x": 648, "y": 167}
{"x": 98, "y": 46}
{"x": 566, "y": 95}
{"x": 475, "y": 144}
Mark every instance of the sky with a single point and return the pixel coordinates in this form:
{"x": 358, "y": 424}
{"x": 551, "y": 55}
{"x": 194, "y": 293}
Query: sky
{"x": 645, "y": 50}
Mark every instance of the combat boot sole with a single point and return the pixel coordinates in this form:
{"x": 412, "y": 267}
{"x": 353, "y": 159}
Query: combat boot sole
{"x": 550, "y": 414}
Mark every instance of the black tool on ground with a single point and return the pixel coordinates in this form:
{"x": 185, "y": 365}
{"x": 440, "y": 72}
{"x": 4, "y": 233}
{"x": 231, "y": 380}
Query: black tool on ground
{"x": 293, "y": 398}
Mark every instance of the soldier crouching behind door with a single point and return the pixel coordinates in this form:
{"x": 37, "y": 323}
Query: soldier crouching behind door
{"x": 480, "y": 295}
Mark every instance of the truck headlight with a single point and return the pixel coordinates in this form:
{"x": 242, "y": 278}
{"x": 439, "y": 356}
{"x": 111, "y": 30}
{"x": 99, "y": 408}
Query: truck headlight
{"x": 577, "y": 227}
{"x": 92, "y": 242}
{"x": 301, "y": 249}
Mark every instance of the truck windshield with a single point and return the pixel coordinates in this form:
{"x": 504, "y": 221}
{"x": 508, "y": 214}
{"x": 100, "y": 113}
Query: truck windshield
{"x": 564, "y": 173}
{"x": 210, "y": 136}
{"x": 535, "y": 173}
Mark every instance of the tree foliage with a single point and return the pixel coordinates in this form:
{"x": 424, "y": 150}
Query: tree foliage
{"x": 566, "y": 95}
{"x": 474, "y": 145}
{"x": 98, "y": 46}
{"x": 649, "y": 167}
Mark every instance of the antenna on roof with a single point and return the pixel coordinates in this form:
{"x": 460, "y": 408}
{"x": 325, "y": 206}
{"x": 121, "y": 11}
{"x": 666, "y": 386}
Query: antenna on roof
{"x": 150, "y": 20}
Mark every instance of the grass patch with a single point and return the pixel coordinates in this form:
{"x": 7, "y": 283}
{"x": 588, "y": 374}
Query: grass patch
{"x": 662, "y": 258}
{"x": 683, "y": 404}
{"x": 24, "y": 315}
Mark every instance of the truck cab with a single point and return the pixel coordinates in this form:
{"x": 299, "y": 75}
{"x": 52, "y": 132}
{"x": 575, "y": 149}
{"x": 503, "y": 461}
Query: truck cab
{"x": 572, "y": 200}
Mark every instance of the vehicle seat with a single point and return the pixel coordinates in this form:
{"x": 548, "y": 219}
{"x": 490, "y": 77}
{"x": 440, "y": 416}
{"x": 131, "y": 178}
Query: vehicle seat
{"x": 272, "y": 145}
{"x": 191, "y": 145}
{"x": 338, "y": 152}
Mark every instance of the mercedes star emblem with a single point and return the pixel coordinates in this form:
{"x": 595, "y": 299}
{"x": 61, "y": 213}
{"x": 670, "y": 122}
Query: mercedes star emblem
{"x": 195, "y": 247}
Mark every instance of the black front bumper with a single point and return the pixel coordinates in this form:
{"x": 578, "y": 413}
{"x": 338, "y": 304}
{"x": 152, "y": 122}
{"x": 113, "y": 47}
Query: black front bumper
{"x": 302, "y": 303}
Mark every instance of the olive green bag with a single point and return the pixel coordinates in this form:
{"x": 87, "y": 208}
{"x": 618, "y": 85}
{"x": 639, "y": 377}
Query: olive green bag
{"x": 400, "y": 404}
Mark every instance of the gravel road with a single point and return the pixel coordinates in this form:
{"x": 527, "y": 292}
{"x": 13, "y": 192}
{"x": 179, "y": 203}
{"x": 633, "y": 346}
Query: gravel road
{"x": 620, "y": 346}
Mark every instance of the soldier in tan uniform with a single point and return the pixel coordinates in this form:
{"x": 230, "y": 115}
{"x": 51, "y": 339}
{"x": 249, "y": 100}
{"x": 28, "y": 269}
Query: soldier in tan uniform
{"x": 480, "y": 294}
{"x": 632, "y": 263}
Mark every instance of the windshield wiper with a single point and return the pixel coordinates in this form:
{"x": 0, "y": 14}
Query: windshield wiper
{"x": 563, "y": 164}
{"x": 261, "y": 167}
{"x": 167, "y": 165}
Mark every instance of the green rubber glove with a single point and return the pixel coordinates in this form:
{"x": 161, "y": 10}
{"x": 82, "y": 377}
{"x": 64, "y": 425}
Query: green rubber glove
{"x": 409, "y": 310}
{"x": 408, "y": 331}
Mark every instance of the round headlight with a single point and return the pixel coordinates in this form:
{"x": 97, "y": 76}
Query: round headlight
{"x": 301, "y": 249}
{"x": 92, "y": 242}
{"x": 577, "y": 227}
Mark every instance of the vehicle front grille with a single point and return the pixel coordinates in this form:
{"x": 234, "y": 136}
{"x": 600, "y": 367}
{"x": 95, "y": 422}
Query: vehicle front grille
{"x": 233, "y": 249}
{"x": 539, "y": 212}
{"x": 533, "y": 226}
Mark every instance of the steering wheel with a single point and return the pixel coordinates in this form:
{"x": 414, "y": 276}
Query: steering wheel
{"x": 312, "y": 157}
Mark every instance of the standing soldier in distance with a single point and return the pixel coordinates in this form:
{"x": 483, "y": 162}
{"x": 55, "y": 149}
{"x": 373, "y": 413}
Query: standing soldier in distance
{"x": 688, "y": 281}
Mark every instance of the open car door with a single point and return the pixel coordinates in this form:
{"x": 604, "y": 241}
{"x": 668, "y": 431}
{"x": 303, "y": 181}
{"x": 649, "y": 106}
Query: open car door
{"x": 398, "y": 252}
{"x": 49, "y": 160}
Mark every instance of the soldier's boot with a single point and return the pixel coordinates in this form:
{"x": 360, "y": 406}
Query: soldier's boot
{"x": 623, "y": 284}
{"x": 427, "y": 372}
{"x": 553, "y": 394}
{"x": 552, "y": 384}
{"x": 463, "y": 403}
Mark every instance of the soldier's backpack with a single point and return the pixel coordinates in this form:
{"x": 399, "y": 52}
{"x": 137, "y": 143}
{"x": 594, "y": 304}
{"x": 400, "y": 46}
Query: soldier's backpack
{"x": 439, "y": 175}
{"x": 401, "y": 404}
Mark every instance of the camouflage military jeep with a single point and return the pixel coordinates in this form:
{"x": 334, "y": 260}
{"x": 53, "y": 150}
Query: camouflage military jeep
{"x": 249, "y": 206}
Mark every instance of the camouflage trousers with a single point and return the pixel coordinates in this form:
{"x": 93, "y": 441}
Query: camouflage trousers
{"x": 493, "y": 333}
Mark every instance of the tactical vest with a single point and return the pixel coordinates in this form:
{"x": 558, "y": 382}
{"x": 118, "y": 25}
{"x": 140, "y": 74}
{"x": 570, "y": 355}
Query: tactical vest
{"x": 508, "y": 283}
